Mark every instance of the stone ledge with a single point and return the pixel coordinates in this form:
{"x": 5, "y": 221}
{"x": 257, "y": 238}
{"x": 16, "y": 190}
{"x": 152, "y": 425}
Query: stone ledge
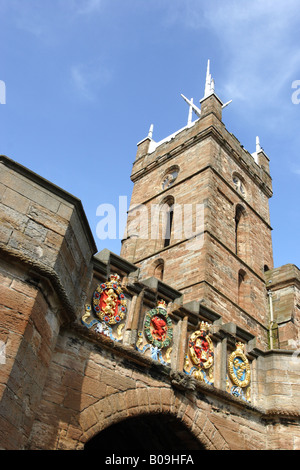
{"x": 177, "y": 379}
{"x": 43, "y": 272}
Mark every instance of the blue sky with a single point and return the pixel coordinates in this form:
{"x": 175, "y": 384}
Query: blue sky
{"x": 86, "y": 78}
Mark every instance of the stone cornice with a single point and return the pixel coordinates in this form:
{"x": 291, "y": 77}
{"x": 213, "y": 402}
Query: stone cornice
{"x": 108, "y": 258}
{"x": 178, "y": 380}
{"x": 214, "y": 133}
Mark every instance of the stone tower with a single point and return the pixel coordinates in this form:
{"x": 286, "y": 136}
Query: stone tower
{"x": 199, "y": 216}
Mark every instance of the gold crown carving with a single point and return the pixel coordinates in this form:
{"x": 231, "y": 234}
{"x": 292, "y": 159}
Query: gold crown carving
{"x": 115, "y": 277}
{"x": 204, "y": 326}
{"x": 162, "y": 304}
{"x": 240, "y": 346}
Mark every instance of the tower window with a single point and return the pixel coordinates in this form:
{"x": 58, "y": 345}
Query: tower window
{"x": 240, "y": 232}
{"x": 242, "y": 288}
{"x": 169, "y": 223}
{"x": 165, "y": 220}
{"x": 159, "y": 269}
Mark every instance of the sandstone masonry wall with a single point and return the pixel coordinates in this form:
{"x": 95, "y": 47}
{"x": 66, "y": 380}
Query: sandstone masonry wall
{"x": 62, "y": 383}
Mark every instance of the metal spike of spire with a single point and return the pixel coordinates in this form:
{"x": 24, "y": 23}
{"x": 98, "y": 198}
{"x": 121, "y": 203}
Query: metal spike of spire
{"x": 208, "y": 91}
{"x": 258, "y": 147}
{"x": 150, "y": 133}
{"x": 196, "y": 110}
{"x": 226, "y": 104}
{"x": 190, "y": 112}
{"x": 209, "y": 82}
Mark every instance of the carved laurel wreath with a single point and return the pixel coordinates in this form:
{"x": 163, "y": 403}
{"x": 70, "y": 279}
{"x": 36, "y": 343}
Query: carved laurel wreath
{"x": 147, "y": 328}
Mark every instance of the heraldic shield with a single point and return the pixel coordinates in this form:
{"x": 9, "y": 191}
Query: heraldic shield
{"x": 108, "y": 309}
{"x": 109, "y": 302}
{"x": 158, "y": 333}
{"x": 201, "y": 355}
{"x": 239, "y": 373}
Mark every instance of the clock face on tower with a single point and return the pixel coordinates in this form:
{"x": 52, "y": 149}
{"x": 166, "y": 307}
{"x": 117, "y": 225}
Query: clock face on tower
{"x": 239, "y": 185}
{"x": 169, "y": 179}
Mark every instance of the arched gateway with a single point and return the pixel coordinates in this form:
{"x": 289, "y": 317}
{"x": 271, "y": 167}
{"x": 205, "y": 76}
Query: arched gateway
{"x": 96, "y": 347}
{"x": 154, "y": 432}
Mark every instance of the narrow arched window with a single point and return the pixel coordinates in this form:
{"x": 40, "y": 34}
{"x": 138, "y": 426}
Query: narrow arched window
{"x": 169, "y": 223}
{"x": 241, "y": 232}
{"x": 242, "y": 289}
{"x": 159, "y": 269}
{"x": 164, "y": 221}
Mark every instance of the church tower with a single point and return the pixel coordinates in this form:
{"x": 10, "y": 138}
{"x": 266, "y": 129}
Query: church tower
{"x": 199, "y": 216}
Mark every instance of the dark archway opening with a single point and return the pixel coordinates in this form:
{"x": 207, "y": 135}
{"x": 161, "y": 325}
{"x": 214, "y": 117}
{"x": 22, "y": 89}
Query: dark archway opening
{"x": 145, "y": 432}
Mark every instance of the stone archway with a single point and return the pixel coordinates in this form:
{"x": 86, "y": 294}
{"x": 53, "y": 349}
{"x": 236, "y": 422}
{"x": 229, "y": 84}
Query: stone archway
{"x": 180, "y": 415}
{"x": 154, "y": 432}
